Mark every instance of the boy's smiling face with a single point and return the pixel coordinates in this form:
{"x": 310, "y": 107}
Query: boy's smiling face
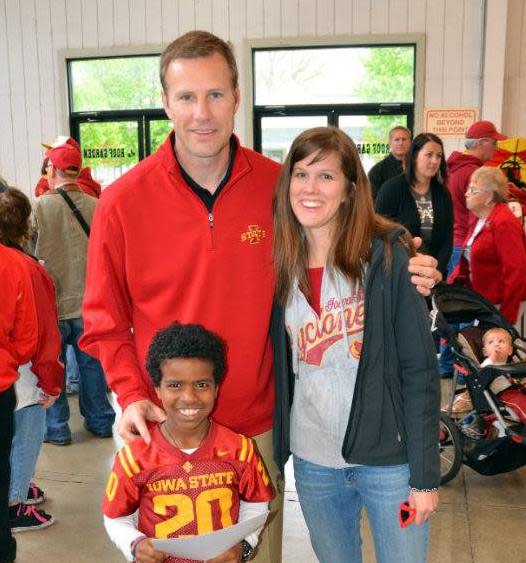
{"x": 188, "y": 392}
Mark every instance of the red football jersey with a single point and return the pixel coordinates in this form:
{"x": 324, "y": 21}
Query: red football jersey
{"x": 180, "y": 494}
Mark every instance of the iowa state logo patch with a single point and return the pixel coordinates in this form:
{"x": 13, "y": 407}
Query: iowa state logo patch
{"x": 254, "y": 235}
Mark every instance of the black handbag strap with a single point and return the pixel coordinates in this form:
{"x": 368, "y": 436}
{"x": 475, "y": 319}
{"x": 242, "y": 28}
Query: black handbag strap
{"x": 76, "y": 211}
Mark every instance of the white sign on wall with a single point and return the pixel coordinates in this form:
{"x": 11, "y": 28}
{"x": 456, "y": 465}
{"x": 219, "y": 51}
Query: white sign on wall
{"x": 449, "y": 122}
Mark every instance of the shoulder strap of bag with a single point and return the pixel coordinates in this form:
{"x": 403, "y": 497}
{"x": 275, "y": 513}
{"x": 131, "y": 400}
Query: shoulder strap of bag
{"x": 76, "y": 211}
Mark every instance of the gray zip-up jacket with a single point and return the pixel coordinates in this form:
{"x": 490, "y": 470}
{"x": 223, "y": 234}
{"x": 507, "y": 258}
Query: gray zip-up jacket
{"x": 394, "y": 417}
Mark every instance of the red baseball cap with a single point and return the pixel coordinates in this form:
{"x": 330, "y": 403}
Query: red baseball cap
{"x": 62, "y": 140}
{"x": 484, "y": 130}
{"x": 66, "y": 158}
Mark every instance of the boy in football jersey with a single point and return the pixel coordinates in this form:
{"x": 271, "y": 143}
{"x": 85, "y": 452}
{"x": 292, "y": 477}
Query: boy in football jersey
{"x": 196, "y": 476}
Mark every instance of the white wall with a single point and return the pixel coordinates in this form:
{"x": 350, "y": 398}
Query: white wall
{"x": 34, "y": 33}
{"x": 514, "y": 106}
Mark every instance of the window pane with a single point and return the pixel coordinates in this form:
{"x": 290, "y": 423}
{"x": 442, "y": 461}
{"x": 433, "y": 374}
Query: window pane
{"x": 371, "y": 134}
{"x": 115, "y": 83}
{"x": 277, "y": 133}
{"x": 109, "y": 148}
{"x": 334, "y": 75}
{"x": 159, "y": 130}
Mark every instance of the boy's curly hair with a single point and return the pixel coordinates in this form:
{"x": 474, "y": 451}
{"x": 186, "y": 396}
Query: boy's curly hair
{"x": 185, "y": 341}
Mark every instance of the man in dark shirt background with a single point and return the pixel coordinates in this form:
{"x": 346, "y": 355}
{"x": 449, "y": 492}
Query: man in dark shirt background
{"x": 393, "y": 163}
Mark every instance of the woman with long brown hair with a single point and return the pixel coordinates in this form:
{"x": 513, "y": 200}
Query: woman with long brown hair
{"x": 356, "y": 376}
{"x": 420, "y": 200}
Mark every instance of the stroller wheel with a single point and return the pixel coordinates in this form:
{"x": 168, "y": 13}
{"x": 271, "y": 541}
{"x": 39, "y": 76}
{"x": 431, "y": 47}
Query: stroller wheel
{"x": 450, "y": 445}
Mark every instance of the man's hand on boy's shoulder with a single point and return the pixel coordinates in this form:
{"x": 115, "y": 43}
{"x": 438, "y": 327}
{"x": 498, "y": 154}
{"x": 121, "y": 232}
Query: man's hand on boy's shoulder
{"x": 134, "y": 418}
{"x": 233, "y": 555}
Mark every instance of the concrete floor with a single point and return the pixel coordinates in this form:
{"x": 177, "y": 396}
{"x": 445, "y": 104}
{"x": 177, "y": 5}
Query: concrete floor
{"x": 479, "y": 520}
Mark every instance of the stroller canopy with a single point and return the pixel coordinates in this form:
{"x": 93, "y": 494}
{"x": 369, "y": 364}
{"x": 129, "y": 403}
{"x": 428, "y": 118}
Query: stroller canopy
{"x": 454, "y": 304}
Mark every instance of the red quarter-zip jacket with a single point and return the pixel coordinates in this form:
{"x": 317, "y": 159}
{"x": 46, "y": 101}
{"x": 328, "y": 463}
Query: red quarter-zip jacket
{"x": 18, "y": 320}
{"x": 498, "y": 262}
{"x": 45, "y": 363}
{"x": 156, "y": 255}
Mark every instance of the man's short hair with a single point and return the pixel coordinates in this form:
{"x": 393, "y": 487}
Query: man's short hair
{"x": 194, "y": 45}
{"x": 185, "y": 341}
{"x": 399, "y": 128}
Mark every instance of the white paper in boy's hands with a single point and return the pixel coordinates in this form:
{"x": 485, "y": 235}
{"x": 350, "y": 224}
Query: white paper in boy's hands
{"x": 208, "y": 546}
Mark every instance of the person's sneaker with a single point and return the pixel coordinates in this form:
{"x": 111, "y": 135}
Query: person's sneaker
{"x": 35, "y": 495}
{"x": 24, "y": 518}
{"x": 105, "y": 434}
{"x": 64, "y": 442}
{"x": 462, "y": 404}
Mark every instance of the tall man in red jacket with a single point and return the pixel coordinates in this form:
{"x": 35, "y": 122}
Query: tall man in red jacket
{"x": 481, "y": 143}
{"x": 18, "y": 340}
{"x": 186, "y": 235}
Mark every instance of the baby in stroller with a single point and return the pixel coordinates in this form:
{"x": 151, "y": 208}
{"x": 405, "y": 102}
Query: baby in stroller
{"x": 497, "y": 348}
{"x": 488, "y": 430}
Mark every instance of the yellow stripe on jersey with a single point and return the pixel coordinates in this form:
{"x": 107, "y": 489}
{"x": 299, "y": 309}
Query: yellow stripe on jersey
{"x": 133, "y": 465}
{"x": 250, "y": 449}
{"x": 243, "y": 454}
{"x": 111, "y": 486}
{"x": 264, "y": 475}
{"x": 124, "y": 464}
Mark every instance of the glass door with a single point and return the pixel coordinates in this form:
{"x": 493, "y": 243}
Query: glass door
{"x": 110, "y": 148}
{"x": 370, "y": 133}
{"x": 277, "y": 133}
{"x": 156, "y": 131}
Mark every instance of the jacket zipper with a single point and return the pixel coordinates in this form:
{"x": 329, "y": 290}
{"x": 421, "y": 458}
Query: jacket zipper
{"x": 211, "y": 227}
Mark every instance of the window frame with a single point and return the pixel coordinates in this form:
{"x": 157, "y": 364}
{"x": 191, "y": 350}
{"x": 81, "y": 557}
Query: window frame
{"x": 254, "y": 113}
{"x": 142, "y": 116}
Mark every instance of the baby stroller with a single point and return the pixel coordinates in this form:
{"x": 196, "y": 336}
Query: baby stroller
{"x": 489, "y": 439}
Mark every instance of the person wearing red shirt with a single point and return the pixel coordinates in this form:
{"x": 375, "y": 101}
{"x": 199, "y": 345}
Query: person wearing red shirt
{"x": 18, "y": 341}
{"x": 493, "y": 260}
{"x": 481, "y": 143}
{"x": 85, "y": 180}
{"x": 187, "y": 235}
{"x": 196, "y": 476}
{"x": 40, "y": 380}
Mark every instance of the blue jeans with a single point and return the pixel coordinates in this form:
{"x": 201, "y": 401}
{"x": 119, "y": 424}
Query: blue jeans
{"x": 72, "y": 370}
{"x": 93, "y": 401}
{"x": 445, "y": 361}
{"x": 332, "y": 499}
{"x": 27, "y": 440}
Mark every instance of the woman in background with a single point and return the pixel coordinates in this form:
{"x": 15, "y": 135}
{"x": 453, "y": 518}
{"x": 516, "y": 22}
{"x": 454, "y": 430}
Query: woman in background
{"x": 40, "y": 381}
{"x": 493, "y": 259}
{"x": 419, "y": 199}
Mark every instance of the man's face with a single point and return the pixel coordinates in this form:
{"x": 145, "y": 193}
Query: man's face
{"x": 201, "y": 103}
{"x": 487, "y": 148}
{"x": 399, "y": 143}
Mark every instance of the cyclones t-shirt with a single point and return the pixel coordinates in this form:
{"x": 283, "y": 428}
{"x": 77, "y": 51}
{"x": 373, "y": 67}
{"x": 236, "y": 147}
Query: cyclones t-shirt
{"x": 181, "y": 494}
{"x": 326, "y": 349}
